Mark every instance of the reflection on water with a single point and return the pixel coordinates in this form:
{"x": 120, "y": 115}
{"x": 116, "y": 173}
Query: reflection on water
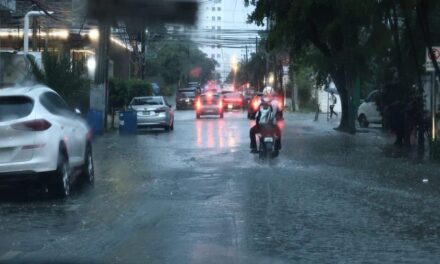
{"x": 214, "y": 134}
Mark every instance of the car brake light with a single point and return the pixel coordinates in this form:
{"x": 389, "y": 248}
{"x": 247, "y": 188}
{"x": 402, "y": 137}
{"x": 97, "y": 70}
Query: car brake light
{"x": 198, "y": 104}
{"x": 220, "y": 104}
{"x": 255, "y": 104}
{"x": 280, "y": 105}
{"x": 33, "y": 125}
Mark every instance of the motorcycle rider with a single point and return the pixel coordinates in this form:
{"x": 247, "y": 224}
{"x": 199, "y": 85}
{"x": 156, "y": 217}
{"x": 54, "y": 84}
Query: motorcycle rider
{"x": 265, "y": 118}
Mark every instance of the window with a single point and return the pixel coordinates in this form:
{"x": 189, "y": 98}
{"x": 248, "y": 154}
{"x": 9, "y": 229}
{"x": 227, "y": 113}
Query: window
{"x": 147, "y": 101}
{"x": 213, "y": 56}
{"x": 218, "y": 55}
{"x": 219, "y": 18}
{"x": 212, "y": 27}
{"x": 15, "y": 107}
{"x": 219, "y": 28}
{"x": 213, "y": 18}
{"x": 55, "y": 104}
{"x": 219, "y": 8}
{"x": 213, "y": 8}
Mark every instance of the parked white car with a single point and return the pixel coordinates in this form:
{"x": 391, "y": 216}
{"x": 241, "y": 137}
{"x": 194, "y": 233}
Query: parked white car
{"x": 42, "y": 139}
{"x": 153, "y": 111}
{"x": 367, "y": 112}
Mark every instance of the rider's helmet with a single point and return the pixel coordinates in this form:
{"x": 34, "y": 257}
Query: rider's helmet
{"x": 268, "y": 91}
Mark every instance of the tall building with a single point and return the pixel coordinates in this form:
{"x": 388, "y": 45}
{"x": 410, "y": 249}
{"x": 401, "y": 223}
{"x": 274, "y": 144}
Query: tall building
{"x": 223, "y": 33}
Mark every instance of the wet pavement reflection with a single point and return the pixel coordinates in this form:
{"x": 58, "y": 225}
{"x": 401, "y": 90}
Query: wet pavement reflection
{"x": 196, "y": 195}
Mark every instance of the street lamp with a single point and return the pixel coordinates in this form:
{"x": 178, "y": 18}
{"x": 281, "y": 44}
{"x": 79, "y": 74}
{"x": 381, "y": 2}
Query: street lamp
{"x": 271, "y": 79}
{"x": 234, "y": 66}
{"x": 26, "y": 27}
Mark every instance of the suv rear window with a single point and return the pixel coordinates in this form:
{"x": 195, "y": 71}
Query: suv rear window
{"x": 15, "y": 107}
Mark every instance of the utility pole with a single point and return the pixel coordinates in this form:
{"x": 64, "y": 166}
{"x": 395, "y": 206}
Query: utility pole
{"x": 247, "y": 55}
{"x": 256, "y": 45}
{"x": 34, "y": 34}
{"x": 99, "y": 91}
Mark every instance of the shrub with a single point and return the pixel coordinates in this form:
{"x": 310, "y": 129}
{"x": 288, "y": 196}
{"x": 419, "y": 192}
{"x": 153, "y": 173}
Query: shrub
{"x": 65, "y": 78}
{"x": 122, "y": 91}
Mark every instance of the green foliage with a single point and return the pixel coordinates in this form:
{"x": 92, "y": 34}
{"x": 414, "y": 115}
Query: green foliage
{"x": 435, "y": 150}
{"x": 304, "y": 82}
{"x": 168, "y": 90}
{"x": 350, "y": 39}
{"x": 122, "y": 91}
{"x": 174, "y": 60}
{"x": 65, "y": 78}
{"x": 253, "y": 71}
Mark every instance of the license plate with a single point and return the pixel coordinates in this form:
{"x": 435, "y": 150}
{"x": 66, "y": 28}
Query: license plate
{"x": 268, "y": 139}
{"x": 145, "y": 113}
{"x": 230, "y": 106}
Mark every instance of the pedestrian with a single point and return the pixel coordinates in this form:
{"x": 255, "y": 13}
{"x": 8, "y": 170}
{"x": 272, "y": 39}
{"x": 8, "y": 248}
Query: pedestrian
{"x": 333, "y": 102}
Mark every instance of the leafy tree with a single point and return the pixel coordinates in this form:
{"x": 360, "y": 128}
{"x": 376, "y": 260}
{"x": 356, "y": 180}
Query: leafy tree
{"x": 340, "y": 30}
{"x": 122, "y": 91}
{"x": 65, "y": 77}
{"x": 252, "y": 71}
{"x": 176, "y": 60}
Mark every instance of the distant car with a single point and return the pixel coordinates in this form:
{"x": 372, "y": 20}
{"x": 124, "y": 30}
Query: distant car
{"x": 185, "y": 99}
{"x": 43, "y": 139}
{"x": 367, "y": 111}
{"x": 209, "y": 104}
{"x": 233, "y": 100}
{"x": 248, "y": 95}
{"x": 254, "y": 104}
{"x": 153, "y": 111}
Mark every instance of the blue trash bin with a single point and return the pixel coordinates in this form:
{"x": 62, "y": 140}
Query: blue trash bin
{"x": 128, "y": 122}
{"x": 95, "y": 121}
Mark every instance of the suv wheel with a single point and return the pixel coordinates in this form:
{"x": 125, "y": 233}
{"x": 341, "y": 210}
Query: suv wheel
{"x": 88, "y": 171}
{"x": 60, "y": 185}
{"x": 363, "y": 122}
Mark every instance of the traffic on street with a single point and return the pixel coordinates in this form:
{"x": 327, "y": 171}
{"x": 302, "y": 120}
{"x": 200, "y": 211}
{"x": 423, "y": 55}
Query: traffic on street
{"x": 219, "y": 131}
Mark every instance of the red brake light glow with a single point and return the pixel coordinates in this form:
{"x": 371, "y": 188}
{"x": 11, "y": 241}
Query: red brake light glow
{"x": 255, "y": 104}
{"x": 198, "y": 104}
{"x": 33, "y": 125}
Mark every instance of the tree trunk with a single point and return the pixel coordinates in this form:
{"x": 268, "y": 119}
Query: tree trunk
{"x": 341, "y": 86}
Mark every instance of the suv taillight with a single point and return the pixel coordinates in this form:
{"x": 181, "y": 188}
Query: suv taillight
{"x": 33, "y": 125}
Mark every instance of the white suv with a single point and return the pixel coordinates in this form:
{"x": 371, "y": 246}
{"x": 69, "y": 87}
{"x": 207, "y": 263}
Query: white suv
{"x": 41, "y": 138}
{"x": 367, "y": 112}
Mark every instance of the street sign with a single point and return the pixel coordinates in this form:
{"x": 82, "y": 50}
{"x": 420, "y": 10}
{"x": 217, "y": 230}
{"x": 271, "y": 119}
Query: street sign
{"x": 429, "y": 67}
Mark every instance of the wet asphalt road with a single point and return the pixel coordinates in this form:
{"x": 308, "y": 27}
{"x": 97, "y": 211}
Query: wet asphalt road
{"x": 196, "y": 195}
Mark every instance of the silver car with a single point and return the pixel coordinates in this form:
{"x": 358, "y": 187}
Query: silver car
{"x": 153, "y": 111}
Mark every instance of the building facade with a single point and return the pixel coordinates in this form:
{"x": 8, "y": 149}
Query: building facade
{"x": 223, "y": 33}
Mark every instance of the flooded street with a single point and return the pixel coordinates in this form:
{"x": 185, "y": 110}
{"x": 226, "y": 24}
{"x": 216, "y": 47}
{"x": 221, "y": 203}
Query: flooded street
{"x": 196, "y": 195}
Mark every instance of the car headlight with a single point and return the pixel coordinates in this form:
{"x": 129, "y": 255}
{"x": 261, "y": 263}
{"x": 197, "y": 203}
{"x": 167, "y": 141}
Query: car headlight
{"x": 162, "y": 114}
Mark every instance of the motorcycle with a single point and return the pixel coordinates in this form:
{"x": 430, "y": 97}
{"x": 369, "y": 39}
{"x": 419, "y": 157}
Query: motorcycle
{"x": 266, "y": 147}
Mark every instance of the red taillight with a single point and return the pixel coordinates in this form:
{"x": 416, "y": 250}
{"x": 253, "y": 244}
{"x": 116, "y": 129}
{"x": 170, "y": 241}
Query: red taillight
{"x": 255, "y": 104}
{"x": 220, "y": 104}
{"x": 33, "y": 125}
{"x": 198, "y": 104}
{"x": 280, "y": 105}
